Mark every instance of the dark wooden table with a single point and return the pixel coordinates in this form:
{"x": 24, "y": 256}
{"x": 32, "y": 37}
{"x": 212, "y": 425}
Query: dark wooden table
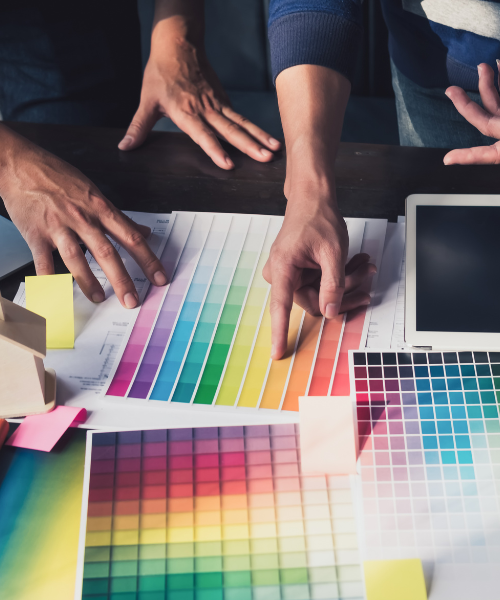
{"x": 170, "y": 172}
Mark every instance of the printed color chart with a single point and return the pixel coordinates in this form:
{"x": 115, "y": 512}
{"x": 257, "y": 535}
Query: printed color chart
{"x": 213, "y": 514}
{"x": 430, "y": 463}
{"x": 205, "y": 340}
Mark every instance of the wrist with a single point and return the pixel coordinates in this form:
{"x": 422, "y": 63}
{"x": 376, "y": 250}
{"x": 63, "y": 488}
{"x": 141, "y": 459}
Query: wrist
{"x": 11, "y": 153}
{"x": 308, "y": 181}
{"x": 178, "y": 23}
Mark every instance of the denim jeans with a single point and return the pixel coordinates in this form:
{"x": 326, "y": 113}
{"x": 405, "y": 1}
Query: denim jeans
{"x": 427, "y": 117}
{"x": 70, "y": 62}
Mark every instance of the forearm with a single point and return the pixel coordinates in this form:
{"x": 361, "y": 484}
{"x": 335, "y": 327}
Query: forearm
{"x": 312, "y": 102}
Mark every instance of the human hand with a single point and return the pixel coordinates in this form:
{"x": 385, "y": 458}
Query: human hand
{"x": 179, "y": 83}
{"x": 307, "y": 265}
{"x": 54, "y": 206}
{"x": 486, "y": 119}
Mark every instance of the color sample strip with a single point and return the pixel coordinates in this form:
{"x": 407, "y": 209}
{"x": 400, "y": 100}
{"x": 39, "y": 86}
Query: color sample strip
{"x": 327, "y": 355}
{"x": 373, "y": 244}
{"x": 279, "y": 371}
{"x": 40, "y": 503}
{"x": 304, "y": 359}
{"x": 232, "y": 310}
{"x": 249, "y": 324}
{"x": 138, "y": 339}
{"x": 215, "y": 513}
{"x": 211, "y": 311}
{"x": 333, "y": 329}
{"x": 190, "y": 312}
{"x": 430, "y": 456}
{"x": 259, "y": 363}
{"x": 169, "y": 310}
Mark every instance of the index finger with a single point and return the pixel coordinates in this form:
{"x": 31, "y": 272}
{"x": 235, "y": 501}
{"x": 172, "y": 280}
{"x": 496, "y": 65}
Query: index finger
{"x": 124, "y": 230}
{"x": 282, "y": 289}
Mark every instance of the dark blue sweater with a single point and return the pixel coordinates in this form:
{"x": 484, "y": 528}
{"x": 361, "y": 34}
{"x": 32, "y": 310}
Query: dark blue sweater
{"x": 435, "y": 43}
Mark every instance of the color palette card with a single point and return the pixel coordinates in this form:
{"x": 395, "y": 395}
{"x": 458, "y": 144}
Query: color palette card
{"x": 430, "y": 465}
{"x": 204, "y": 341}
{"x": 213, "y": 514}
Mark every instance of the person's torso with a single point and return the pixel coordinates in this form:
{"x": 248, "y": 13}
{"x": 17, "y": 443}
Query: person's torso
{"x": 437, "y": 43}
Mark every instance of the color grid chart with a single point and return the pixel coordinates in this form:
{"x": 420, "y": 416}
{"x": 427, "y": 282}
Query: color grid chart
{"x": 213, "y": 514}
{"x": 205, "y": 341}
{"x": 430, "y": 457}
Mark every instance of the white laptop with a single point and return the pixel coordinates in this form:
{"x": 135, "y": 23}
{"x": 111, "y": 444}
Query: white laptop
{"x": 453, "y": 271}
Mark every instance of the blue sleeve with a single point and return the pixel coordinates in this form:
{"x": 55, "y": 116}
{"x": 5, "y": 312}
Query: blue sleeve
{"x": 315, "y": 32}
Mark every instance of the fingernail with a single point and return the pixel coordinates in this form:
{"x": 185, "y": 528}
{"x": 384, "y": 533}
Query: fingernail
{"x": 130, "y": 300}
{"x": 332, "y": 310}
{"x": 446, "y": 160}
{"x": 273, "y": 351}
{"x": 274, "y": 142}
{"x": 498, "y": 63}
{"x": 266, "y": 153}
{"x": 446, "y": 93}
{"x": 160, "y": 278}
{"x": 97, "y": 297}
{"x": 229, "y": 162}
{"x": 366, "y": 301}
{"x": 479, "y": 69}
{"x": 126, "y": 142}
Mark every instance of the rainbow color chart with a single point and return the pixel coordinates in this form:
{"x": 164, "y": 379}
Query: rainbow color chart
{"x": 430, "y": 464}
{"x": 205, "y": 340}
{"x": 213, "y": 514}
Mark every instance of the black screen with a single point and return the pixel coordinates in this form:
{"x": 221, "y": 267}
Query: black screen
{"x": 458, "y": 268}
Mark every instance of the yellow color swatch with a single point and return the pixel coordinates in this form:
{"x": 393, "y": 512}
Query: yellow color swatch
{"x": 51, "y": 297}
{"x": 394, "y": 580}
{"x": 259, "y": 363}
{"x": 278, "y": 373}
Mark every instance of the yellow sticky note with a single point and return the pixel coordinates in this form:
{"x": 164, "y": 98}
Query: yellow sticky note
{"x": 394, "y": 580}
{"x": 51, "y": 297}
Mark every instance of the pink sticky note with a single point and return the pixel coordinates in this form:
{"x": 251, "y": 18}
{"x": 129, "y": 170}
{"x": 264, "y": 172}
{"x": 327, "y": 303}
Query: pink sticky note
{"x": 328, "y": 438}
{"x": 42, "y": 432}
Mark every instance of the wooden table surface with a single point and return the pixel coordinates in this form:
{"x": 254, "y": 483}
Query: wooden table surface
{"x": 170, "y": 172}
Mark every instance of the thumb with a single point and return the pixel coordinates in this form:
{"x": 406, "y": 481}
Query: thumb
{"x": 142, "y": 123}
{"x": 332, "y": 285}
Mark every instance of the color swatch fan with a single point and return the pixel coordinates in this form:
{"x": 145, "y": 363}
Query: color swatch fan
{"x": 204, "y": 341}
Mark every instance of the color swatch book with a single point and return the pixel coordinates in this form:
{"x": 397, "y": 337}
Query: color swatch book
{"x": 204, "y": 341}
{"x": 430, "y": 465}
{"x": 213, "y": 514}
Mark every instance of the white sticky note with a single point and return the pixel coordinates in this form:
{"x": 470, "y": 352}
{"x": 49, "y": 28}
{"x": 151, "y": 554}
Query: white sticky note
{"x": 328, "y": 435}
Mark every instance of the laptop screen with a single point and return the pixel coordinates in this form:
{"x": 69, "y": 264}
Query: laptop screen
{"x": 458, "y": 268}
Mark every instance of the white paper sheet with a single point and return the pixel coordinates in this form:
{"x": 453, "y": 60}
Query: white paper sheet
{"x": 383, "y": 307}
{"x": 373, "y": 244}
